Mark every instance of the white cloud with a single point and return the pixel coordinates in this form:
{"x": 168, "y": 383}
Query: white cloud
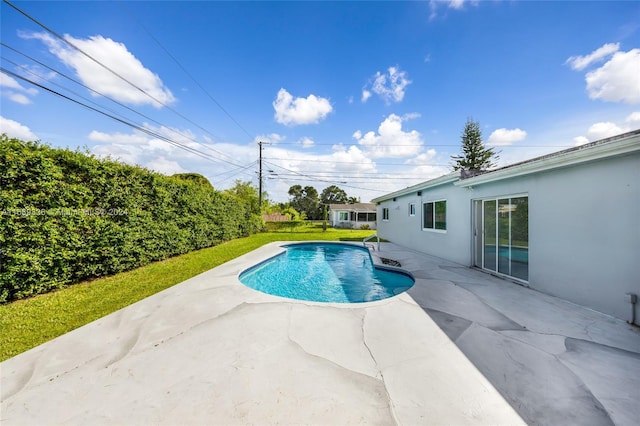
{"x": 391, "y": 140}
{"x": 580, "y": 140}
{"x": 10, "y": 82}
{"x": 633, "y": 117}
{"x": 139, "y": 148}
{"x": 306, "y": 142}
{"x": 292, "y": 112}
{"x": 604, "y": 129}
{"x": 389, "y": 86}
{"x": 270, "y": 139}
{"x": 410, "y": 116}
{"x": 130, "y": 154}
{"x": 13, "y": 129}
{"x": 506, "y": 137}
{"x": 618, "y": 80}
{"x": 352, "y": 164}
{"x": 294, "y": 167}
{"x": 19, "y": 98}
{"x": 164, "y": 166}
{"x": 117, "y": 57}
{"x": 579, "y": 63}
{"x": 136, "y": 138}
{"x": 423, "y": 159}
{"x": 350, "y": 160}
{"x": 17, "y": 93}
{"x": 451, "y": 4}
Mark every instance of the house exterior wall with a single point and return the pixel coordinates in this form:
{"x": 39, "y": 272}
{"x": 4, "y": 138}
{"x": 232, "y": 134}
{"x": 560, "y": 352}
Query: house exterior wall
{"x": 405, "y": 230}
{"x": 584, "y": 229}
{"x": 334, "y": 221}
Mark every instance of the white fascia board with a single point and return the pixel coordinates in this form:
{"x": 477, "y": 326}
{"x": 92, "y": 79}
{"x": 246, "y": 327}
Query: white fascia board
{"x": 558, "y": 160}
{"x": 451, "y": 177}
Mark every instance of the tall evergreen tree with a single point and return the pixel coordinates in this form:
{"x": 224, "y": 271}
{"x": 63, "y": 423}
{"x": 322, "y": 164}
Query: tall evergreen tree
{"x": 475, "y": 156}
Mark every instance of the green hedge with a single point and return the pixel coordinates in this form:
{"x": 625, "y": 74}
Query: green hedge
{"x": 67, "y": 216}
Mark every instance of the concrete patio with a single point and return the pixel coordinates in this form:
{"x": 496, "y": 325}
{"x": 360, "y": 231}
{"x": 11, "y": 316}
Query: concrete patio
{"x": 461, "y": 347}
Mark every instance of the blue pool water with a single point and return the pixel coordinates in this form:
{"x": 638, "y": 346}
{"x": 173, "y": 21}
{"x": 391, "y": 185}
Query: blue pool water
{"x": 326, "y": 272}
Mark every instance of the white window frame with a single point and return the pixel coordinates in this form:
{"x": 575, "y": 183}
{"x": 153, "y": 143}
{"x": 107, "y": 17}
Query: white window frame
{"x": 385, "y": 214}
{"x": 412, "y": 209}
{"x": 434, "y": 202}
{"x": 343, "y": 216}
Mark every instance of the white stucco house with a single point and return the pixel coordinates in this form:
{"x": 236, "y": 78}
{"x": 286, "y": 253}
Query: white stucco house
{"x": 352, "y": 215}
{"x": 567, "y": 223}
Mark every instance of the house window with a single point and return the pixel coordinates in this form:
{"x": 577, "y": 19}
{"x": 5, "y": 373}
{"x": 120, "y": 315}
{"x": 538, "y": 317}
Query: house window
{"x": 412, "y": 209}
{"x": 434, "y": 215}
{"x": 385, "y": 213}
{"x": 366, "y": 217}
{"x": 344, "y": 216}
{"x": 505, "y": 236}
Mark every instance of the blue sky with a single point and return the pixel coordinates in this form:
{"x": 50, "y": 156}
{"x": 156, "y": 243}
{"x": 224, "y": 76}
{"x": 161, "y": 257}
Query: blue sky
{"x": 370, "y": 96}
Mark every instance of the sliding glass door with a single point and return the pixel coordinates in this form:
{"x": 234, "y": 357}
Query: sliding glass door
{"x": 505, "y": 236}
{"x": 489, "y": 235}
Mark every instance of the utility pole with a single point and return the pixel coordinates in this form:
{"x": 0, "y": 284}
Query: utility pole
{"x": 260, "y": 179}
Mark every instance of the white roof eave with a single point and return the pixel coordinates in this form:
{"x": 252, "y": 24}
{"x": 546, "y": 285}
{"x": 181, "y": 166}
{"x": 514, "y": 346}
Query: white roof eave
{"x": 554, "y": 161}
{"x": 451, "y": 177}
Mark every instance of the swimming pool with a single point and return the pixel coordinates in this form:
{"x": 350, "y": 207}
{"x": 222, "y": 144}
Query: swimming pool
{"x": 326, "y": 272}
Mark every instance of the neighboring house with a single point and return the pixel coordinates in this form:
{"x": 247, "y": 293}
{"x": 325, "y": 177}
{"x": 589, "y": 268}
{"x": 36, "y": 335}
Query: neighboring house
{"x": 567, "y": 224}
{"x": 352, "y": 215}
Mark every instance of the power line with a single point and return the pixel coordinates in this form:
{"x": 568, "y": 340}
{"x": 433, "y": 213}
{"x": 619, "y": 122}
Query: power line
{"x": 206, "y": 92}
{"x": 427, "y": 145}
{"x": 59, "y": 85}
{"x": 97, "y": 93}
{"x": 304, "y": 160}
{"x": 61, "y": 38}
{"x": 234, "y": 174}
{"x": 305, "y": 177}
{"x": 120, "y": 120}
{"x": 355, "y": 177}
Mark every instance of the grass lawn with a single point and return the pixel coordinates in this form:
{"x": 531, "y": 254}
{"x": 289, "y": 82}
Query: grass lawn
{"x": 31, "y": 322}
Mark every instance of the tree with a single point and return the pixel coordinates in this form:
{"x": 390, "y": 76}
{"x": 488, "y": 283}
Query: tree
{"x": 475, "y": 156}
{"x": 333, "y": 195}
{"x": 353, "y": 200}
{"x": 292, "y": 214}
{"x": 246, "y": 192}
{"x": 194, "y": 177}
{"x": 305, "y": 200}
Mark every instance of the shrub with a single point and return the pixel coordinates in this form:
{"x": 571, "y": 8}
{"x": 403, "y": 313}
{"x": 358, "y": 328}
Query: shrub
{"x": 67, "y": 216}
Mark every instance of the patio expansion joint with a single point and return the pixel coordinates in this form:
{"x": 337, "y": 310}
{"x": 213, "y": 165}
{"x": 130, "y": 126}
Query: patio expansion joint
{"x": 375, "y": 362}
{"x": 487, "y": 303}
{"x": 175, "y": 335}
{"x": 523, "y": 330}
{"x": 337, "y": 365}
{"x": 557, "y": 357}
